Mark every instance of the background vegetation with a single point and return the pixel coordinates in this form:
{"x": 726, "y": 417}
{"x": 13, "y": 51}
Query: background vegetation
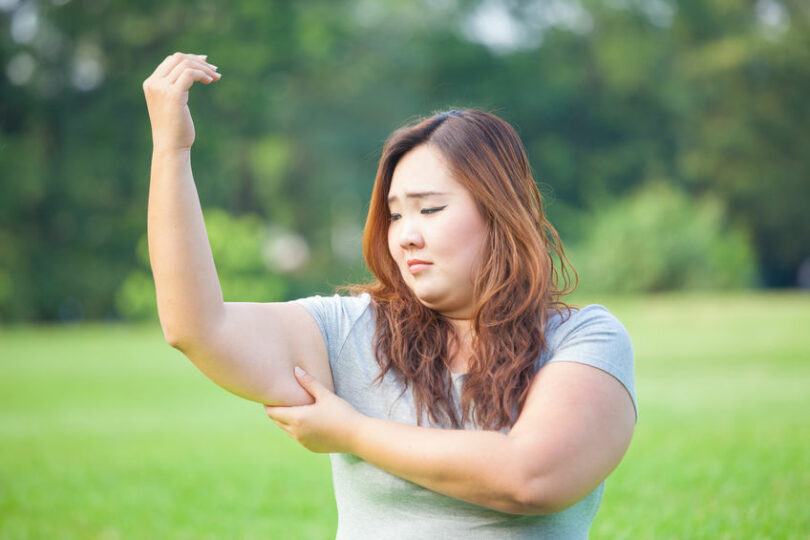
{"x": 704, "y": 97}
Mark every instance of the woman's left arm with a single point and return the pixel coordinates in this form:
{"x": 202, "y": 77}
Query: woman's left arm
{"x": 573, "y": 431}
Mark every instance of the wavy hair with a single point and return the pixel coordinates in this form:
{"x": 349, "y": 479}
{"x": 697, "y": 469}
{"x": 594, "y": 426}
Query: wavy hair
{"x": 522, "y": 279}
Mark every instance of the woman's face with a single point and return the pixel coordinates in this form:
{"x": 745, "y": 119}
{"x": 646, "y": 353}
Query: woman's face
{"x": 436, "y": 234}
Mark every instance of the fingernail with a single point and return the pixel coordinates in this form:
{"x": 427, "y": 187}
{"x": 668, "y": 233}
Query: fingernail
{"x": 212, "y": 66}
{"x": 300, "y": 372}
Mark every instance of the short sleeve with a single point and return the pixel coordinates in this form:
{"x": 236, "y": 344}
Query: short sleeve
{"x": 335, "y": 316}
{"x": 593, "y": 336}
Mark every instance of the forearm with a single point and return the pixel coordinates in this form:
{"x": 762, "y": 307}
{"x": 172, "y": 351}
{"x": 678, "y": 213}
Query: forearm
{"x": 189, "y": 296}
{"x": 481, "y": 467}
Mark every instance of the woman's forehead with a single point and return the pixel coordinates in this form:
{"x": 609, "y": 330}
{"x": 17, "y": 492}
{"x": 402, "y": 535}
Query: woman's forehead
{"x": 422, "y": 171}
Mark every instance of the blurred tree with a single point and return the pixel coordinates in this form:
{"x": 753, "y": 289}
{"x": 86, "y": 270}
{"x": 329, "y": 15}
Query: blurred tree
{"x": 607, "y": 95}
{"x": 657, "y": 240}
{"x": 743, "y": 140}
{"x": 247, "y": 265}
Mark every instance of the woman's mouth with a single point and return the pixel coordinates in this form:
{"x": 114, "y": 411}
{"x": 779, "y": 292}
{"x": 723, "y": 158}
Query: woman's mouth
{"x": 417, "y": 265}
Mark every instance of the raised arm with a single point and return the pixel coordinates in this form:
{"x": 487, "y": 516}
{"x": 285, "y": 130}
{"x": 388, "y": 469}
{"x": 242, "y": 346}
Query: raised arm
{"x": 248, "y": 349}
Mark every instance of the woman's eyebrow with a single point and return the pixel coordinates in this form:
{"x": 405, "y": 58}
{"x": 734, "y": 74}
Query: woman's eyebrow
{"x": 415, "y": 195}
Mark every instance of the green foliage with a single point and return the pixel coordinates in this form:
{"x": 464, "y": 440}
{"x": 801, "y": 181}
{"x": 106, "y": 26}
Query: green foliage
{"x": 135, "y": 299}
{"x": 659, "y": 239}
{"x": 238, "y": 245}
{"x": 606, "y": 95}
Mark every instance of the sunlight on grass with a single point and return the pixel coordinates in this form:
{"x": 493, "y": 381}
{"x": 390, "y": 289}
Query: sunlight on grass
{"x": 107, "y": 432}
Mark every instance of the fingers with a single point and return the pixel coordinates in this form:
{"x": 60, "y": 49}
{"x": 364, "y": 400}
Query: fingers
{"x": 189, "y": 77}
{"x": 184, "y": 69}
{"x": 175, "y": 75}
{"x": 171, "y": 61}
{"x": 283, "y": 415}
{"x": 204, "y": 70}
{"x": 308, "y": 382}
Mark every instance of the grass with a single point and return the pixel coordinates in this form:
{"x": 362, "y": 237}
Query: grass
{"x": 106, "y": 432}
{"x": 721, "y": 447}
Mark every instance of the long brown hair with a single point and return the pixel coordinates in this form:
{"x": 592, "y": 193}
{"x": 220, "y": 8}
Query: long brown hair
{"x": 522, "y": 279}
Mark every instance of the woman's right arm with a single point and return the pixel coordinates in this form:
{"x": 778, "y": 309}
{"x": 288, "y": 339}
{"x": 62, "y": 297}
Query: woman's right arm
{"x": 247, "y": 348}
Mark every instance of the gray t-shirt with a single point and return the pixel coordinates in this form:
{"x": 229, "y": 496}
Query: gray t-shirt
{"x": 372, "y": 503}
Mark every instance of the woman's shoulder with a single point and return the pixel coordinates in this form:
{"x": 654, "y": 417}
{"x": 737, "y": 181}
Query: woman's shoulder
{"x": 338, "y": 316}
{"x": 348, "y": 301}
{"x": 591, "y": 320}
{"x": 336, "y": 307}
{"x": 592, "y": 335}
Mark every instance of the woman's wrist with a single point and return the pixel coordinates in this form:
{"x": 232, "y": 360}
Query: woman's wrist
{"x": 165, "y": 150}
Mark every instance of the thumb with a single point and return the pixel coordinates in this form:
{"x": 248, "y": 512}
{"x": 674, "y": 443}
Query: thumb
{"x": 308, "y": 382}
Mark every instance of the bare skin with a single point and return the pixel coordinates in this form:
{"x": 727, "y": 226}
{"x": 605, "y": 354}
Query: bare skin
{"x": 247, "y": 348}
{"x": 573, "y": 431}
{"x": 574, "y": 428}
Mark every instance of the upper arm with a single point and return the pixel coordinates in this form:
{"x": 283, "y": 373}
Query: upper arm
{"x": 253, "y": 349}
{"x": 574, "y": 429}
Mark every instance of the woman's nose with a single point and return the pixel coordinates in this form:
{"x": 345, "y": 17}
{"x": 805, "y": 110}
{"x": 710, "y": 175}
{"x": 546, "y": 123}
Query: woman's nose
{"x": 410, "y": 236}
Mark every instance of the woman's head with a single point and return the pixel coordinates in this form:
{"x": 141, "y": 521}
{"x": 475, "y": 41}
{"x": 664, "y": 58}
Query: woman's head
{"x": 455, "y": 159}
{"x": 436, "y": 232}
{"x": 456, "y": 229}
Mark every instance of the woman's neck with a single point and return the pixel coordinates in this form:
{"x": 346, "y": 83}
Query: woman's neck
{"x": 461, "y": 348}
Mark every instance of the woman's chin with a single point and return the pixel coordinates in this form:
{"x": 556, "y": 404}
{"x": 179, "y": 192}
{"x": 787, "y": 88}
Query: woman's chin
{"x": 430, "y": 300}
{"x": 444, "y": 306}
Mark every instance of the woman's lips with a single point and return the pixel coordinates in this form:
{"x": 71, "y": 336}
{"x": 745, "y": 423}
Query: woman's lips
{"x": 417, "y": 265}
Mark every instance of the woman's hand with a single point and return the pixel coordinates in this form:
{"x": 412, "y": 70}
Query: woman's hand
{"x": 166, "y": 92}
{"x": 328, "y": 425}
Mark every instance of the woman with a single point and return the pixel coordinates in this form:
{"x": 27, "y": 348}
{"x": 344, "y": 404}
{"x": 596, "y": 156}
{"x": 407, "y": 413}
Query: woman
{"x": 459, "y": 397}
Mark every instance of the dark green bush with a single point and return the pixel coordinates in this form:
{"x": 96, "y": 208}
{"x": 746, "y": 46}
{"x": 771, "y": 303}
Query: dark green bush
{"x": 659, "y": 239}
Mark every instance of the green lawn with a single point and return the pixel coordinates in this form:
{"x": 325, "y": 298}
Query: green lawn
{"x": 107, "y": 432}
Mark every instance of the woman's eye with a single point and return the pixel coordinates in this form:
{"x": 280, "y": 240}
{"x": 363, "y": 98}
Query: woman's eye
{"x": 393, "y": 217}
{"x": 433, "y": 210}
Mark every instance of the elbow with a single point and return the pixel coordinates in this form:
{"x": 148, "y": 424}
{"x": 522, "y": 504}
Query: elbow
{"x": 170, "y": 335}
{"x": 168, "y": 324}
{"x": 528, "y": 502}
{"x": 174, "y": 337}
{"x": 175, "y": 342}
{"x": 181, "y": 330}
{"x": 535, "y": 496}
